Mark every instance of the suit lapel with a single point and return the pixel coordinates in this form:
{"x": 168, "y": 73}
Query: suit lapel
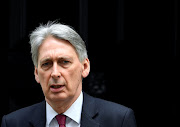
{"x": 87, "y": 121}
{"x": 88, "y": 115}
{"x": 39, "y": 115}
{"x": 89, "y": 112}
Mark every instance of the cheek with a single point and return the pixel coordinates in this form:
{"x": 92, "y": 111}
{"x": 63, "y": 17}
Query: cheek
{"x": 44, "y": 78}
{"x": 74, "y": 75}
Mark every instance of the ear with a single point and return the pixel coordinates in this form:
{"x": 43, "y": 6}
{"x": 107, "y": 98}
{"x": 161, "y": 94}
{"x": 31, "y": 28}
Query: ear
{"x": 36, "y": 74}
{"x": 86, "y": 68}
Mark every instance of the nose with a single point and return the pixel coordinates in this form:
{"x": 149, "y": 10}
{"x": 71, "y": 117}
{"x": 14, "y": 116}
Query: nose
{"x": 55, "y": 72}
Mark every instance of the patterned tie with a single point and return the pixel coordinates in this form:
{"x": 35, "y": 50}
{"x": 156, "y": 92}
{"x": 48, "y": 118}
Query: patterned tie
{"x": 61, "y": 120}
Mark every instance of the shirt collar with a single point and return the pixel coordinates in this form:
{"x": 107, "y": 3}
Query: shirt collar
{"x": 74, "y": 112}
{"x": 50, "y": 113}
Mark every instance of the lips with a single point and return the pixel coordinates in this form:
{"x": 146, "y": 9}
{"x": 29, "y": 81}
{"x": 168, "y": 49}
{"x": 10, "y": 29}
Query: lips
{"x": 56, "y": 88}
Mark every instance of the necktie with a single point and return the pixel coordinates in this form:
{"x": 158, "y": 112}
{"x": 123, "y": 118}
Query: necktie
{"x": 61, "y": 120}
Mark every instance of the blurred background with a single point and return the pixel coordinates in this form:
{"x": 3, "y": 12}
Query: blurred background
{"x": 133, "y": 47}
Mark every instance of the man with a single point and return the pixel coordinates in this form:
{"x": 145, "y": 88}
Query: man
{"x": 61, "y": 62}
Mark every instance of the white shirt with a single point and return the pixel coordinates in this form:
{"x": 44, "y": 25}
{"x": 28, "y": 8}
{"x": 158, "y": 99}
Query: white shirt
{"x": 73, "y": 114}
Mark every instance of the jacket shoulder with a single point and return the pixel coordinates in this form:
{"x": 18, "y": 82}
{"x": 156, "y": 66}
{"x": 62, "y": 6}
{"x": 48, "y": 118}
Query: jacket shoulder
{"x": 103, "y": 105}
{"x": 22, "y": 116}
{"x": 111, "y": 107}
{"x": 110, "y": 113}
{"x": 24, "y": 111}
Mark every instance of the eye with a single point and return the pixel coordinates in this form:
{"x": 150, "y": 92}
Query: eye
{"x": 65, "y": 62}
{"x": 46, "y": 65}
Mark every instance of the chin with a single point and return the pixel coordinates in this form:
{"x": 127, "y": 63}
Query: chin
{"x": 58, "y": 97}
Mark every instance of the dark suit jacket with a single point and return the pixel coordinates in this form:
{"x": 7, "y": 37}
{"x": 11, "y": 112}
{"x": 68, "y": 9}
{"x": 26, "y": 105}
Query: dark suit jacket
{"x": 95, "y": 113}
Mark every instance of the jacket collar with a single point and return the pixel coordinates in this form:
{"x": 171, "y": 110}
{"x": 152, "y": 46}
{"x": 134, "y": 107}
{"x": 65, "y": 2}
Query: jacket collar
{"x": 89, "y": 112}
{"x": 39, "y": 115}
{"x": 88, "y": 115}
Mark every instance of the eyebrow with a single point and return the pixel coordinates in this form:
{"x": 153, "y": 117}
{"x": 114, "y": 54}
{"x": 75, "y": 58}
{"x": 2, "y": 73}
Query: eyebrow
{"x": 45, "y": 60}
{"x": 59, "y": 58}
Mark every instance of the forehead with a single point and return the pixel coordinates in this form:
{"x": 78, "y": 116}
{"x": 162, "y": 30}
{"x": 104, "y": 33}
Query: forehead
{"x": 53, "y": 47}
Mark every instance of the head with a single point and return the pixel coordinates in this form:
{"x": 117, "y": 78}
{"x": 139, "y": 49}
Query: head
{"x": 60, "y": 59}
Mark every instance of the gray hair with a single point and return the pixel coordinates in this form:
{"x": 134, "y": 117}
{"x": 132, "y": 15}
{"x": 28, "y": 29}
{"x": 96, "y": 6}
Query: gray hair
{"x": 59, "y": 31}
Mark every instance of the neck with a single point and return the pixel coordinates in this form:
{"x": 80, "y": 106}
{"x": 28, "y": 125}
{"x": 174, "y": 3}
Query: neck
{"x": 61, "y": 106}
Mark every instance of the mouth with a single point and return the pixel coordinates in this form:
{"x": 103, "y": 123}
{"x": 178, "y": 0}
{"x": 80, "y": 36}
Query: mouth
{"x": 56, "y": 88}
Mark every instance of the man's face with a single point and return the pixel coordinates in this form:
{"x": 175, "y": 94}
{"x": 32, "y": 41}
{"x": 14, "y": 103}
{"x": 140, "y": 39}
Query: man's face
{"x": 59, "y": 70}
